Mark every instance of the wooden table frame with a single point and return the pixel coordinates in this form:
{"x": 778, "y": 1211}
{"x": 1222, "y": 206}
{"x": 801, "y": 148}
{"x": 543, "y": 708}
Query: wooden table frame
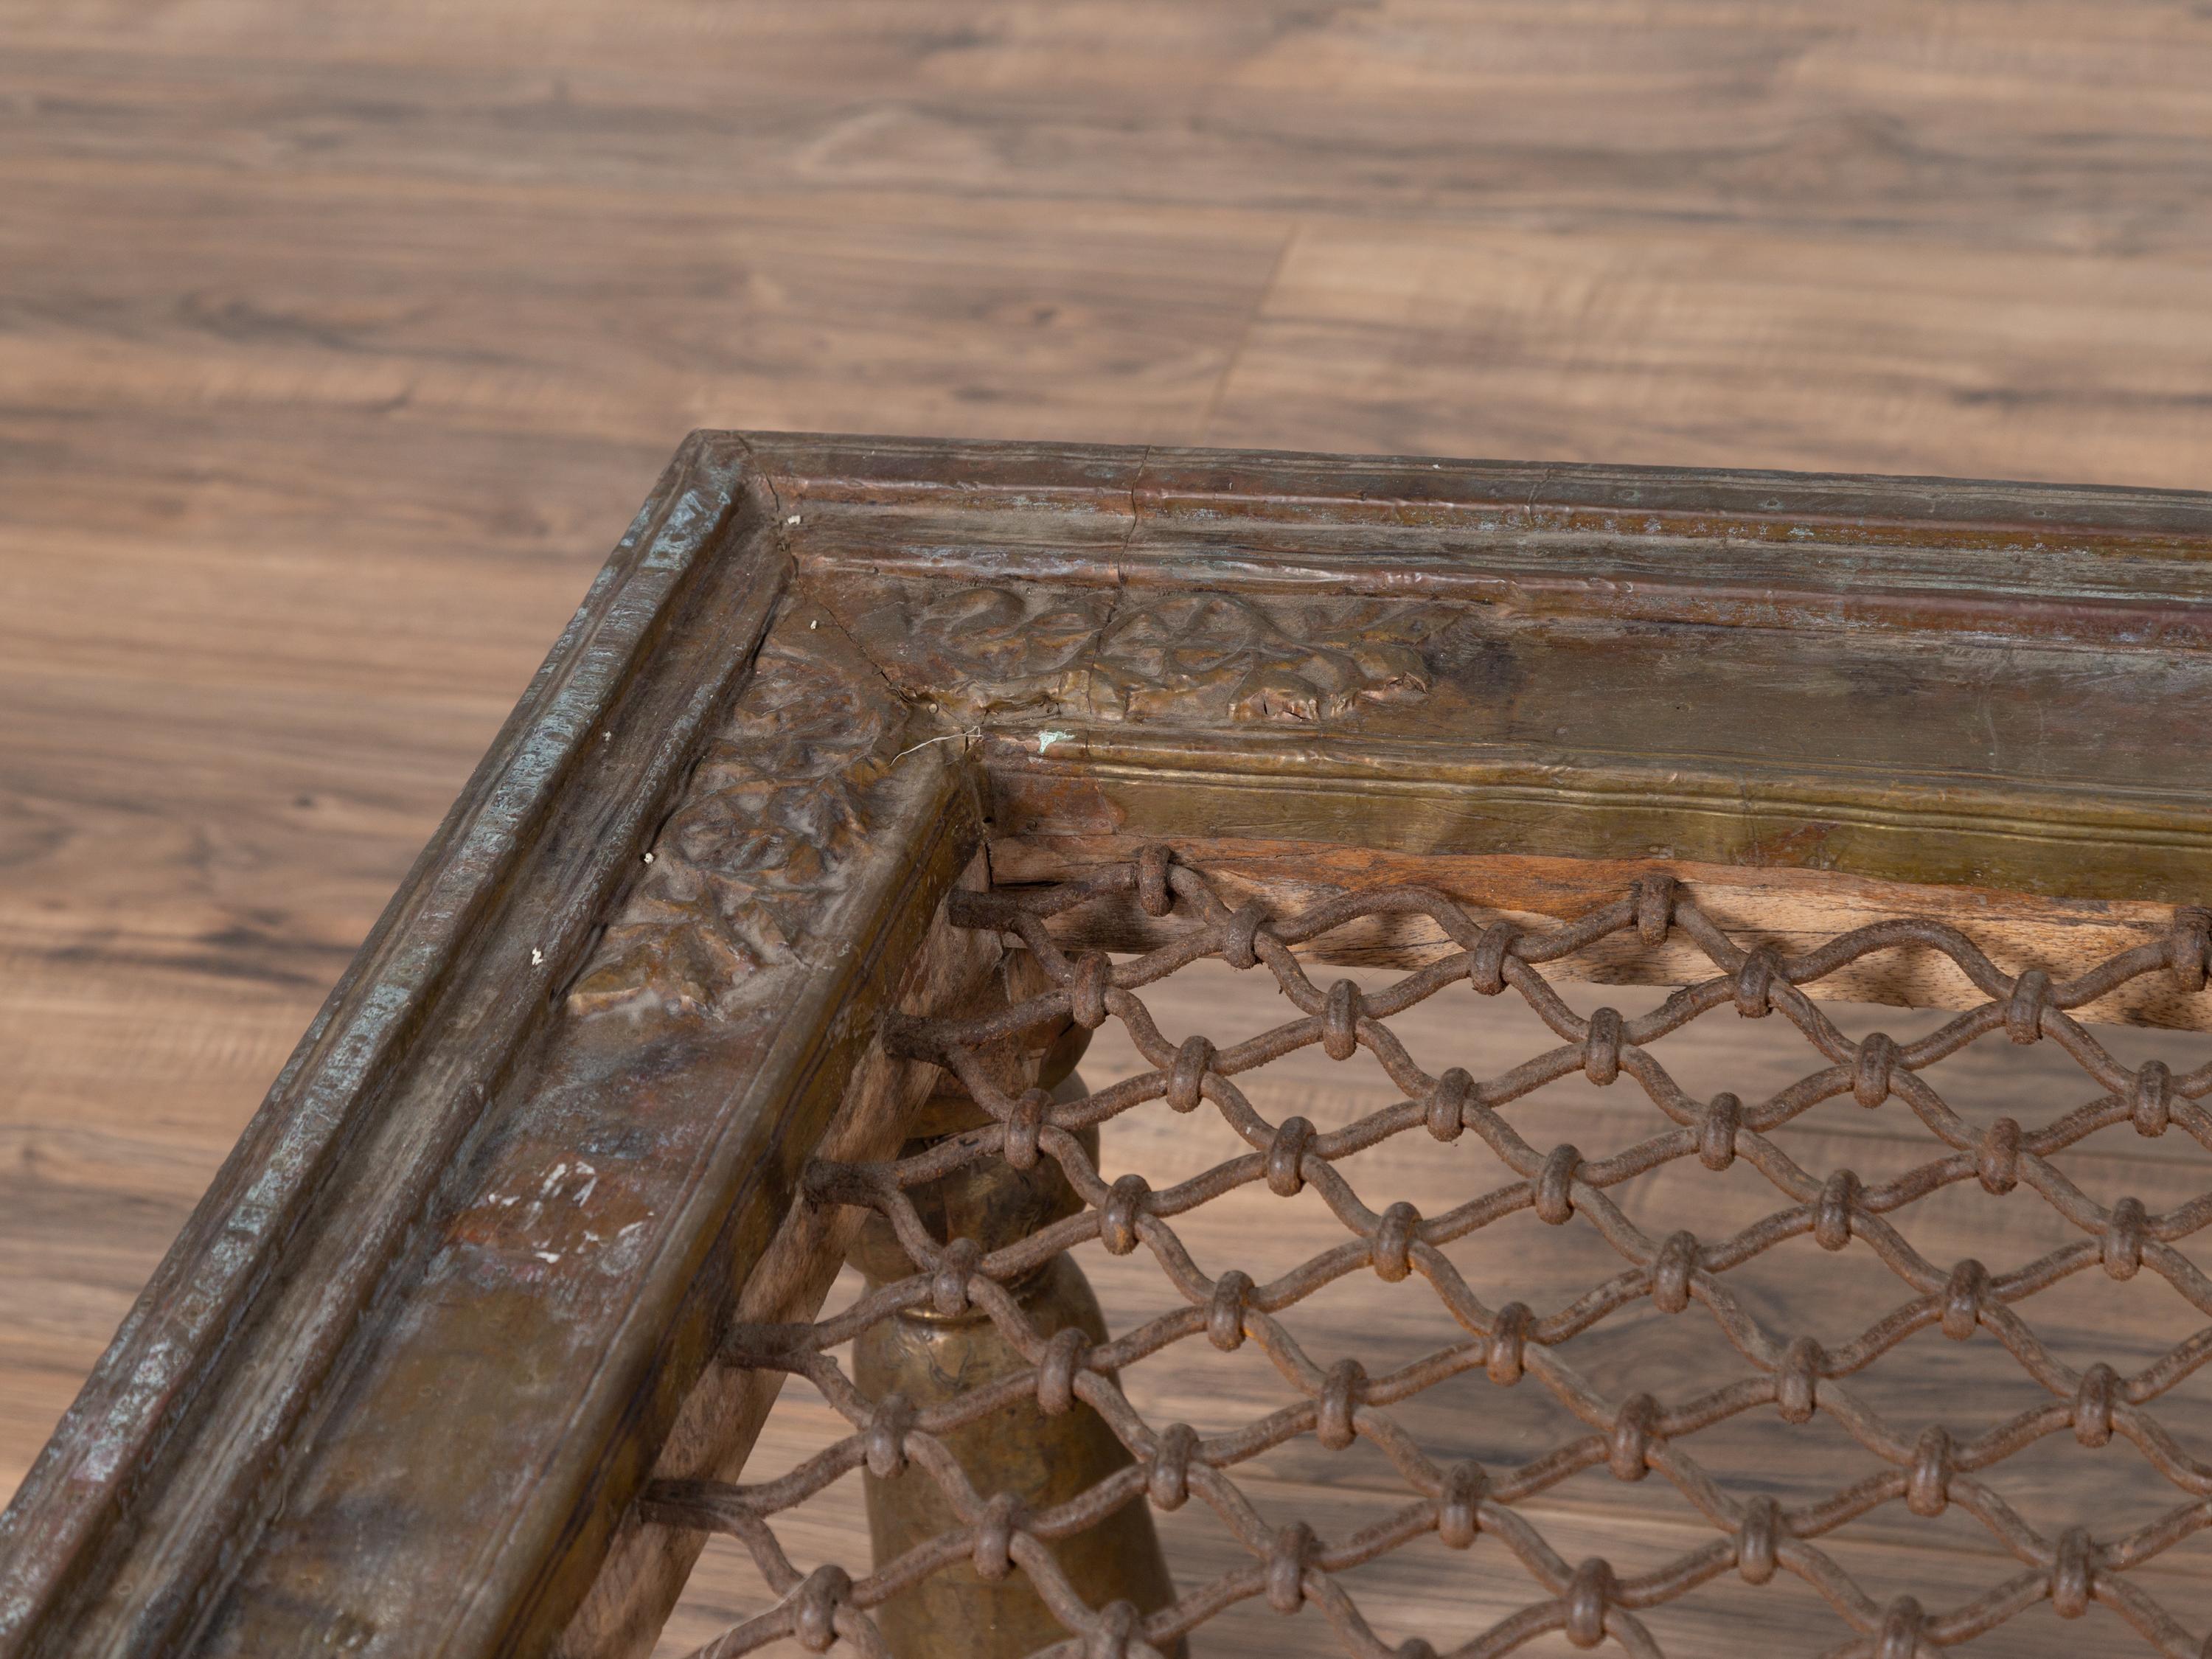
{"x": 452, "y": 1300}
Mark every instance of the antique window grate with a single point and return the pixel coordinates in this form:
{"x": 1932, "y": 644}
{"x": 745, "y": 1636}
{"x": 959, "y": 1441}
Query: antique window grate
{"x": 1756, "y": 1363}
{"x": 742, "y": 959}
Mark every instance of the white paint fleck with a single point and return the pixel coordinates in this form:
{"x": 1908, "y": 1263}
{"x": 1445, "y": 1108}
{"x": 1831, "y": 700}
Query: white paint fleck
{"x": 626, "y": 1231}
{"x": 1046, "y": 739}
{"x": 537, "y": 957}
{"x": 648, "y": 858}
{"x": 554, "y": 1179}
{"x": 547, "y": 1255}
{"x": 793, "y": 518}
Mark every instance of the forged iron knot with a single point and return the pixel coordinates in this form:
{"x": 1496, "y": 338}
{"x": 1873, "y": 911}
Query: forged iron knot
{"x": 2073, "y": 1574}
{"x": 1602, "y": 1048}
{"x": 884, "y": 1440}
{"x": 1754, "y": 983}
{"x": 1796, "y": 1379}
{"x": 1117, "y": 1218}
{"x": 1502, "y": 1361}
{"x": 1927, "y": 1482}
{"x": 1286, "y": 1151}
{"x": 1392, "y": 1251}
{"x": 1064, "y": 1357}
{"x": 2124, "y": 1238}
{"x": 1590, "y": 1593}
{"x": 1446, "y": 1111}
{"x": 1717, "y": 1131}
{"x": 2031, "y": 995}
{"x": 1962, "y": 1299}
{"x": 1485, "y": 964}
{"x": 2093, "y": 1405}
{"x": 1555, "y": 1185}
{"x": 1167, "y": 1483}
{"x": 1996, "y": 1160}
{"x": 1872, "y": 1068}
{"x": 1240, "y": 935}
{"x": 1153, "y": 896}
{"x": 814, "y": 1606}
{"x": 1653, "y": 897}
{"x": 1186, "y": 1078}
{"x": 1832, "y": 1211}
{"x": 1225, "y": 1314}
{"x": 1670, "y": 1271}
{"x": 994, "y": 1537}
{"x": 948, "y": 1285}
{"x": 1459, "y": 1508}
{"x": 1114, "y": 1632}
{"x": 1028, "y": 1119}
{"x": 2150, "y": 1099}
{"x": 1759, "y": 1540}
{"x": 1634, "y": 1428}
{"x": 1291, "y": 1547}
{"x": 1086, "y": 994}
{"x": 1341, "y": 1393}
{"x": 2189, "y": 947}
{"x": 1339, "y": 1021}
{"x": 1899, "y": 1637}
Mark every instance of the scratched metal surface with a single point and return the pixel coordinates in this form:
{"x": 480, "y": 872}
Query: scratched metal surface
{"x": 827, "y": 671}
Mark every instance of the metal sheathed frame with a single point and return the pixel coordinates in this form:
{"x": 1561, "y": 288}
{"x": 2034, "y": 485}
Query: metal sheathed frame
{"x": 455, "y": 1298}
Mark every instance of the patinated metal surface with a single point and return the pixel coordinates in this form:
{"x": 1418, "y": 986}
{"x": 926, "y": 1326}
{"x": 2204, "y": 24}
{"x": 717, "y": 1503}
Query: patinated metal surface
{"x": 1027, "y": 1458}
{"x": 497, "y": 1208}
{"x": 1754, "y": 1362}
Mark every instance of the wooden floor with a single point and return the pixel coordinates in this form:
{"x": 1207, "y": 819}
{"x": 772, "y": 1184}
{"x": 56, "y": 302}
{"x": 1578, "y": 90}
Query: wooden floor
{"x": 337, "y": 343}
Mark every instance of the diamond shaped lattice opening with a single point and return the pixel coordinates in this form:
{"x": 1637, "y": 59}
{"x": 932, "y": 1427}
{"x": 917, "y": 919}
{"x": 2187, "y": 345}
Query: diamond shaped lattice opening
{"x": 1467, "y": 1334}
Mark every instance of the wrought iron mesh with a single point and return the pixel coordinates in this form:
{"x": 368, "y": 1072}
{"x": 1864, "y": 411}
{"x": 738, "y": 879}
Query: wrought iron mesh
{"x": 1924, "y": 1469}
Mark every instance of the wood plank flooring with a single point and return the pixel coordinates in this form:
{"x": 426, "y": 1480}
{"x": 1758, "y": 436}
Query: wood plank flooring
{"x": 338, "y": 343}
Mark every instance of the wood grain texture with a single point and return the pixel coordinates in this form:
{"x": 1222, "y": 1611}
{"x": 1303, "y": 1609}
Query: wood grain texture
{"x": 323, "y": 389}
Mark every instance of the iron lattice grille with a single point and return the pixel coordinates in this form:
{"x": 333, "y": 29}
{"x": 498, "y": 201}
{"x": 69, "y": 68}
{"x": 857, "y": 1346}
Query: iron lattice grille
{"x": 1924, "y": 1469}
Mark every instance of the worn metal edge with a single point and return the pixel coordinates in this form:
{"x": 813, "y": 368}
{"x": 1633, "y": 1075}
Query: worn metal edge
{"x": 536, "y": 1575}
{"x": 442, "y": 1571}
{"x": 2144, "y": 604}
{"x": 934, "y": 476}
{"x": 59, "y": 1537}
{"x": 1439, "y": 799}
{"x": 952, "y": 972}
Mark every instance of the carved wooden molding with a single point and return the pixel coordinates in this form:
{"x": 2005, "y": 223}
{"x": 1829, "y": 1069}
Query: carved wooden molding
{"x": 394, "y": 1388}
